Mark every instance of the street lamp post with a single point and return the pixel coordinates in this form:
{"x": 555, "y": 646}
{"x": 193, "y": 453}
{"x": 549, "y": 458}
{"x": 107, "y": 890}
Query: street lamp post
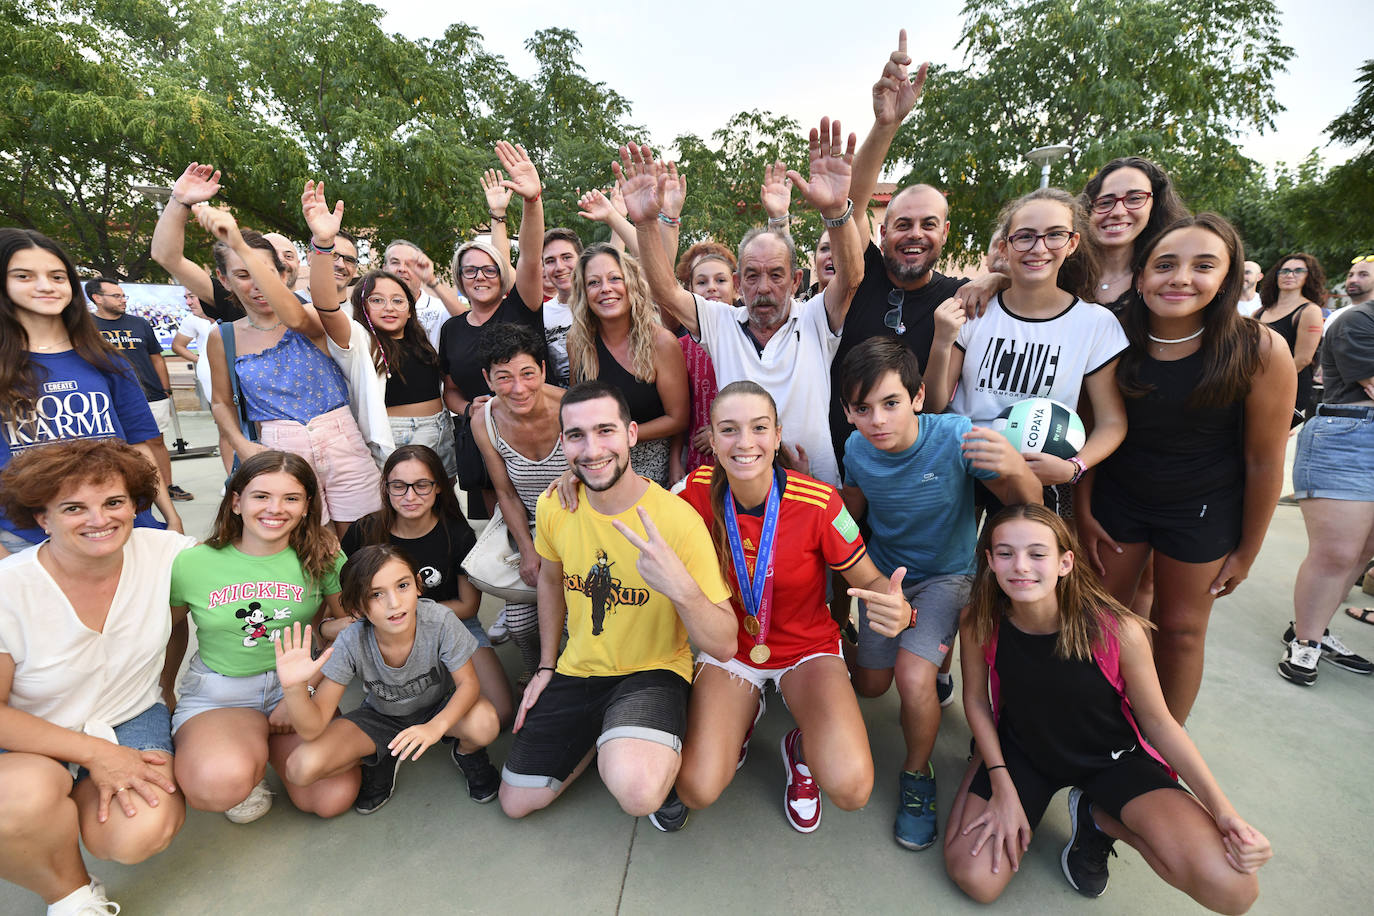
{"x": 1045, "y": 155}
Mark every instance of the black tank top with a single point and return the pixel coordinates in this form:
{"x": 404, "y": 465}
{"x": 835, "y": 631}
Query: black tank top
{"x": 645, "y": 404}
{"x": 421, "y": 382}
{"x": 1287, "y": 327}
{"x": 1062, "y": 713}
{"x": 1174, "y": 452}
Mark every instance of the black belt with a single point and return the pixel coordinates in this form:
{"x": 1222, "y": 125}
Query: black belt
{"x": 1345, "y": 410}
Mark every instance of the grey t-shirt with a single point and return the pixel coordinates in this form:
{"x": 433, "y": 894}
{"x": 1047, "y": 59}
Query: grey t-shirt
{"x": 442, "y": 645}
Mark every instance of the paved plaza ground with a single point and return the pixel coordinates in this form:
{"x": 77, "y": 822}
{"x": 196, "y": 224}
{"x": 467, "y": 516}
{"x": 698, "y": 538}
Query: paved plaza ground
{"x": 1295, "y": 762}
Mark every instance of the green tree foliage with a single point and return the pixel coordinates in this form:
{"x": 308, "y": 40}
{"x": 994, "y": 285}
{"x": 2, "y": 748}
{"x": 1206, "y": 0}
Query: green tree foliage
{"x": 724, "y": 178}
{"x": 1173, "y": 80}
{"x": 99, "y": 95}
{"x": 1324, "y": 212}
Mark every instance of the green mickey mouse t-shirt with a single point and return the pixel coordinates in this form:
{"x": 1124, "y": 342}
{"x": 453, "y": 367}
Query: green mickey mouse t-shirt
{"x": 239, "y": 601}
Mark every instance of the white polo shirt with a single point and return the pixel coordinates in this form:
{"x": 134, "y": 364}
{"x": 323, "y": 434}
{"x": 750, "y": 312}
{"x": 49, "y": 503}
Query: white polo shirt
{"x": 794, "y": 368}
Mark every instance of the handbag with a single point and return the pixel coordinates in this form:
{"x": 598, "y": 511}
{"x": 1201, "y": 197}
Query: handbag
{"x": 493, "y": 564}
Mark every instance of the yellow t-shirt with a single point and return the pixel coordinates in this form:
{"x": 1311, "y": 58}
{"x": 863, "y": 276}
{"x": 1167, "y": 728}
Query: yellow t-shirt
{"x": 616, "y": 623}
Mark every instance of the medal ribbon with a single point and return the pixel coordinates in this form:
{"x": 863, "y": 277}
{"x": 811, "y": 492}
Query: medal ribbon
{"x": 756, "y": 592}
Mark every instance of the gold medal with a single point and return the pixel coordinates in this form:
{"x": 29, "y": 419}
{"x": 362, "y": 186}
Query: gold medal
{"x": 751, "y": 625}
{"x": 759, "y": 654}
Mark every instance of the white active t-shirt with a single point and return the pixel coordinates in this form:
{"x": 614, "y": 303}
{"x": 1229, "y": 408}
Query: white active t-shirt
{"x": 1008, "y": 358}
{"x": 794, "y": 368}
{"x": 67, "y": 673}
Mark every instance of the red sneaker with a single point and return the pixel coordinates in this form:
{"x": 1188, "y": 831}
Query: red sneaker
{"x": 802, "y": 800}
{"x": 744, "y": 748}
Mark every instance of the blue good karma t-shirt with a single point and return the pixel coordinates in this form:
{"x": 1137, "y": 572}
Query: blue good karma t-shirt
{"x": 75, "y": 401}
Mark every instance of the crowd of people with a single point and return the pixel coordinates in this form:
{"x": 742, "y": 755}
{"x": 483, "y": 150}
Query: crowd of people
{"x": 826, "y": 446}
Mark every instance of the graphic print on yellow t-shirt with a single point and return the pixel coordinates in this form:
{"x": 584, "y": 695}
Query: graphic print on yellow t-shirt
{"x": 616, "y": 623}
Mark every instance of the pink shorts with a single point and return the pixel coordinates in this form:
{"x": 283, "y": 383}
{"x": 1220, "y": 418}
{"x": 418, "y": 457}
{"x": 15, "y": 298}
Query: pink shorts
{"x": 350, "y": 484}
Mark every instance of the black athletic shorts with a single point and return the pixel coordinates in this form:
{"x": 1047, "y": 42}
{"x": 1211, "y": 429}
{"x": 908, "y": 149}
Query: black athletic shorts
{"x": 381, "y": 728}
{"x": 575, "y": 714}
{"x": 1109, "y": 788}
{"x": 1200, "y": 531}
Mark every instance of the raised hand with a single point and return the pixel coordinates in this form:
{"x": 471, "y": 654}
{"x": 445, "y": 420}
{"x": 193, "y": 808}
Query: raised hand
{"x": 658, "y": 564}
{"x": 424, "y": 269}
{"x": 776, "y": 192}
{"x": 196, "y": 185}
{"x": 324, "y": 223}
{"x": 295, "y": 667}
{"x": 888, "y": 611}
{"x": 672, "y": 190}
{"x": 830, "y": 167}
{"x": 950, "y": 316}
{"x": 497, "y": 194}
{"x": 895, "y": 93}
{"x": 220, "y": 224}
{"x": 618, "y": 200}
{"x": 638, "y": 182}
{"x": 524, "y": 177}
{"x": 595, "y": 206}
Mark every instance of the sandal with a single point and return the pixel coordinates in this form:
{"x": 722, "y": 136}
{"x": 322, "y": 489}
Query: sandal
{"x": 1362, "y": 614}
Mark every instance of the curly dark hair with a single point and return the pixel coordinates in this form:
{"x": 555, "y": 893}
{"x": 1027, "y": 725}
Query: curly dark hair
{"x": 1313, "y": 288}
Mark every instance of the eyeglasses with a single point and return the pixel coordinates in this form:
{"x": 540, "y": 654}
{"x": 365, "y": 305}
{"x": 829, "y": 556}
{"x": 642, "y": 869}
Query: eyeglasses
{"x": 1362, "y": 258}
{"x": 119, "y": 296}
{"x": 893, "y": 319}
{"x": 1025, "y": 240}
{"x": 399, "y": 303}
{"x": 1133, "y": 200}
{"x": 1292, "y": 271}
{"x": 399, "y": 487}
{"x": 490, "y": 271}
{"x": 346, "y": 258}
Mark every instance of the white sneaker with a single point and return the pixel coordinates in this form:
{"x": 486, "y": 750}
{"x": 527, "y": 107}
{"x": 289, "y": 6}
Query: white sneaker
{"x": 258, "y": 803}
{"x": 499, "y": 632}
{"x": 85, "y": 901}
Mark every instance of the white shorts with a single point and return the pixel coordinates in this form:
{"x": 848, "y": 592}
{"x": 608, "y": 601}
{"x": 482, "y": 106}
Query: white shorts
{"x": 162, "y": 413}
{"x": 761, "y": 677}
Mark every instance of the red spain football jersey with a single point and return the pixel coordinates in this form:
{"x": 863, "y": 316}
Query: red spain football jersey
{"x": 814, "y": 531}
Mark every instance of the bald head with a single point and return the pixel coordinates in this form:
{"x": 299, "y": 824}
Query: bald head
{"x": 914, "y": 232}
{"x": 1253, "y": 274}
{"x": 289, "y": 256}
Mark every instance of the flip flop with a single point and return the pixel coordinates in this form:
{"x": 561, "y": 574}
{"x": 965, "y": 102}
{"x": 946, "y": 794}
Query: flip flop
{"x": 1362, "y": 614}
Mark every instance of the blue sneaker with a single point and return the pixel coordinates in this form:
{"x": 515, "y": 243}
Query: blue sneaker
{"x": 915, "y": 826}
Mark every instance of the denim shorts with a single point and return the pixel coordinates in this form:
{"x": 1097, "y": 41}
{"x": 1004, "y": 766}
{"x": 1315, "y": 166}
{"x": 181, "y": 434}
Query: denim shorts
{"x": 435, "y": 431}
{"x": 938, "y": 601}
{"x": 202, "y": 690}
{"x": 150, "y": 730}
{"x": 1333, "y": 458}
{"x": 475, "y": 628}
